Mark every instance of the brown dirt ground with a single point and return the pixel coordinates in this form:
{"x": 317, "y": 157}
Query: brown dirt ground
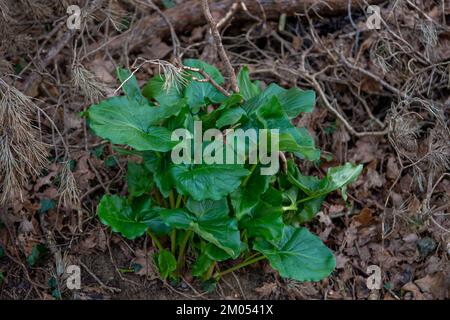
{"x": 407, "y": 235}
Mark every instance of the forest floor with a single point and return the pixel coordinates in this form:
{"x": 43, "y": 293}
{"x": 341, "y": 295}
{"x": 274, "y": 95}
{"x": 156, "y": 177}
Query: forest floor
{"x": 382, "y": 100}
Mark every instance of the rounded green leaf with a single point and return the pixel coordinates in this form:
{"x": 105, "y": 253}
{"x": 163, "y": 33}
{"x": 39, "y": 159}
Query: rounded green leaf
{"x": 203, "y": 182}
{"x": 299, "y": 255}
{"x": 139, "y": 179}
{"x": 210, "y": 220}
{"x": 166, "y": 263}
{"x": 130, "y": 221}
{"x": 124, "y": 121}
{"x": 264, "y": 221}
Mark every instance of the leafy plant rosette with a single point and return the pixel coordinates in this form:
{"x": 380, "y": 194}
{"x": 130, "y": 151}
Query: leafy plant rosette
{"x": 215, "y": 213}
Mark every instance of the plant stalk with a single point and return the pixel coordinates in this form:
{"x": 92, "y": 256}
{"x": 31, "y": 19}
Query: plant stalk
{"x": 155, "y": 240}
{"x": 173, "y": 241}
{"x": 180, "y": 259}
{"x": 240, "y": 265}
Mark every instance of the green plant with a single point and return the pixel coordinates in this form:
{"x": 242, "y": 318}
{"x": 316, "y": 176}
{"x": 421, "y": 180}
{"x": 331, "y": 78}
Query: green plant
{"x": 216, "y": 212}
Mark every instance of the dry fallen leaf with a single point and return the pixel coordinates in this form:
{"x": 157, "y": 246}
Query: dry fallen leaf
{"x": 147, "y": 267}
{"x": 437, "y": 285}
{"x": 267, "y": 289}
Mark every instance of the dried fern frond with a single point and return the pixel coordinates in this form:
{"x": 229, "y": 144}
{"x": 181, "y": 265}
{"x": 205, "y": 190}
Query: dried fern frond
{"x": 404, "y": 128}
{"x": 4, "y": 10}
{"x": 22, "y": 153}
{"x": 111, "y": 11}
{"x": 174, "y": 77}
{"x": 429, "y": 34}
{"x": 39, "y": 9}
{"x": 439, "y": 148}
{"x": 87, "y": 83}
{"x": 5, "y": 67}
{"x": 68, "y": 189}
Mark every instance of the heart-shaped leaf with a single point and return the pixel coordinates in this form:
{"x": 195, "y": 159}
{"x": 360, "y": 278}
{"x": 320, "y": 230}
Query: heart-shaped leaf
{"x": 203, "y": 182}
{"x": 155, "y": 89}
{"x": 264, "y": 221}
{"x": 166, "y": 263}
{"x": 246, "y": 197}
{"x": 210, "y": 220}
{"x": 130, "y": 86}
{"x": 124, "y": 121}
{"x": 139, "y": 179}
{"x": 201, "y": 93}
{"x": 130, "y": 221}
{"x": 248, "y": 88}
{"x": 299, "y": 255}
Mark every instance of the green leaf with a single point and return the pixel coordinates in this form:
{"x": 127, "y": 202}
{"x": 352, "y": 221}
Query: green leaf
{"x": 2, "y": 251}
{"x": 299, "y": 255}
{"x": 166, "y": 263}
{"x": 203, "y": 182}
{"x": 307, "y": 210}
{"x": 217, "y": 254}
{"x": 273, "y": 197}
{"x": 245, "y": 198}
{"x": 336, "y": 178}
{"x": 209, "y": 219}
{"x": 131, "y": 86}
{"x": 230, "y": 117}
{"x": 163, "y": 178}
{"x": 253, "y": 104}
{"x": 272, "y": 116}
{"x": 294, "y": 101}
{"x": 127, "y": 122}
{"x": 316, "y": 189}
{"x": 203, "y": 93}
{"x": 201, "y": 265}
{"x": 111, "y": 161}
{"x": 212, "y": 71}
{"x": 139, "y": 179}
{"x": 306, "y": 149}
{"x": 209, "y": 254}
{"x": 264, "y": 221}
{"x": 160, "y": 167}
{"x": 154, "y": 89}
{"x": 247, "y": 88}
{"x": 46, "y": 205}
{"x": 131, "y": 222}
{"x": 38, "y": 252}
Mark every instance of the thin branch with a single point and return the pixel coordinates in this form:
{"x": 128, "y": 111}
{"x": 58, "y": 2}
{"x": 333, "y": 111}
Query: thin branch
{"x": 347, "y": 125}
{"x": 218, "y": 41}
{"x": 173, "y": 34}
{"x": 207, "y": 78}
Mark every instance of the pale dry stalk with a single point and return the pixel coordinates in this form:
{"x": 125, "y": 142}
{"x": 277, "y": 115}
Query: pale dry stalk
{"x": 22, "y": 153}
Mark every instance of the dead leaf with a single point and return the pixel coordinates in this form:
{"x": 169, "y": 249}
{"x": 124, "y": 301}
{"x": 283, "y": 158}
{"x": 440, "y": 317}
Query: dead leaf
{"x": 411, "y": 287}
{"x": 267, "y": 289}
{"x": 365, "y": 151}
{"x": 437, "y": 285}
{"x": 102, "y": 70}
{"x": 365, "y": 217}
{"x": 145, "y": 260}
{"x": 392, "y": 169}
